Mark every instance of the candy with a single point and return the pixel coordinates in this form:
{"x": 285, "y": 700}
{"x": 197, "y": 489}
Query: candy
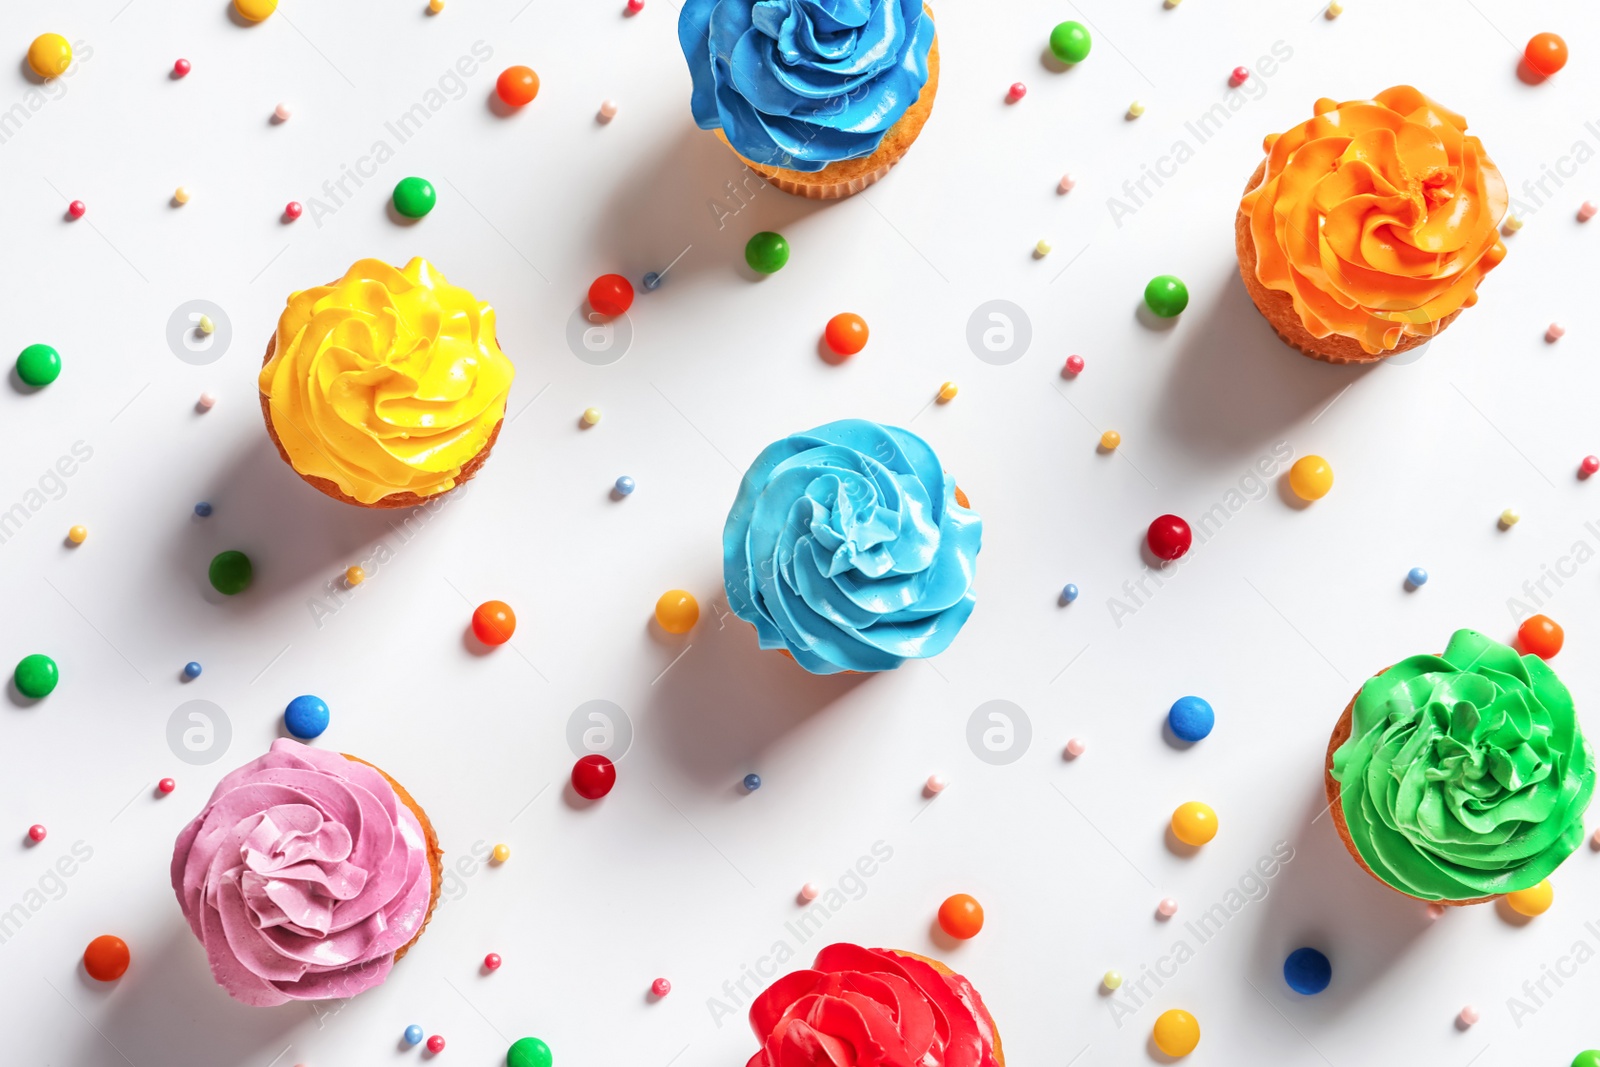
{"x": 1587, "y": 211}
{"x": 1194, "y": 823}
{"x": 413, "y": 1034}
{"x": 1176, "y": 1033}
{"x": 414, "y": 197}
{"x": 1513, "y": 223}
{"x": 207, "y": 325}
{"x": 1510, "y": 517}
{"x": 1166, "y": 296}
{"x": 1111, "y": 979}
{"x": 1590, "y": 1058}
{"x": 77, "y": 208}
{"x": 936, "y": 783}
{"x": 1311, "y": 477}
{"x": 661, "y": 987}
{"x": 1541, "y": 636}
{"x": 492, "y": 961}
{"x": 1589, "y": 465}
{"x": 529, "y": 1052}
{"x": 1043, "y": 248}
{"x": 1167, "y": 908}
{"x": 635, "y": 6}
{"x": 166, "y": 785}
{"x": 493, "y": 622}
{"x": 293, "y": 209}
{"x": 282, "y": 112}
{"x": 354, "y": 576}
{"x": 752, "y": 782}
{"x": 1546, "y": 53}
{"x": 1190, "y": 718}
{"x": 1535, "y": 900}
{"x": 1169, "y": 537}
{"x": 1416, "y": 577}
{"x": 1069, "y": 592}
{"x": 677, "y": 611}
{"x": 1066, "y": 184}
{"x": 961, "y": 916}
{"x": 38, "y": 365}
{"x": 846, "y": 333}
{"x": 255, "y": 10}
{"x": 1307, "y": 971}
{"x": 306, "y": 717}
{"x": 1554, "y": 332}
{"x": 49, "y": 55}
{"x": 1076, "y": 747}
{"x": 106, "y": 959}
{"x": 651, "y": 280}
{"x": 810, "y": 891}
{"x": 625, "y": 486}
{"x": 435, "y": 1044}
{"x": 591, "y": 416}
{"x": 203, "y": 509}
{"x": 1070, "y": 42}
{"x": 435, "y": 6}
{"x": 500, "y": 853}
{"x": 191, "y": 669}
{"x": 182, "y": 194}
{"x": 1016, "y": 92}
{"x": 1135, "y": 109}
{"x": 1335, "y": 9}
{"x": 231, "y": 572}
{"x": 947, "y": 392}
{"x": 517, "y": 86}
{"x": 207, "y": 401}
{"x": 608, "y": 110}
{"x": 1110, "y": 440}
{"x": 1239, "y": 76}
{"x": 181, "y": 68}
{"x": 610, "y": 294}
{"x": 1435, "y": 910}
{"x": 593, "y": 777}
{"x": 36, "y": 676}
{"x": 766, "y": 252}
{"x": 78, "y": 534}
{"x": 36, "y": 833}
{"x": 1468, "y": 1015}
{"x": 1074, "y": 365}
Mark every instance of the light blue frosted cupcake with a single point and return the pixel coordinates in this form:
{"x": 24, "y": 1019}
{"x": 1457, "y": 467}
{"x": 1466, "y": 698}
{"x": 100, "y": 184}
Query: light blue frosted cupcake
{"x": 851, "y": 549}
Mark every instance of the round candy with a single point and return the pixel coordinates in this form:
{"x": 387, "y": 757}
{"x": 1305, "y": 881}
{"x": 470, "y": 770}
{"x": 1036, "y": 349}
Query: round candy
{"x": 1546, "y": 53}
{"x": 1070, "y": 42}
{"x": 1017, "y": 91}
{"x": 207, "y": 401}
{"x": 1532, "y": 901}
{"x": 961, "y": 916}
{"x": 414, "y": 197}
{"x": 1510, "y": 517}
{"x": 493, "y": 622}
{"x": 293, "y": 209}
{"x": 1468, "y": 1015}
{"x": 517, "y": 86}
{"x": 36, "y": 675}
{"x": 1166, "y": 296}
{"x": 1069, "y": 592}
{"x": 1591, "y": 1058}
{"x": 611, "y": 294}
{"x": 1416, "y": 576}
{"x": 608, "y": 110}
{"x": 106, "y": 958}
{"x": 661, "y": 987}
{"x": 1194, "y": 823}
{"x": 49, "y": 55}
{"x": 1191, "y": 718}
{"x": 947, "y": 392}
{"x": 593, "y": 776}
{"x": 231, "y": 572}
{"x": 1110, "y": 440}
{"x": 591, "y": 416}
{"x": 625, "y": 485}
{"x": 182, "y": 195}
{"x": 166, "y": 785}
{"x": 810, "y": 891}
{"x": 1307, "y": 971}
{"x": 78, "y": 534}
{"x": 1076, "y": 747}
{"x": 1310, "y": 477}
{"x": 1239, "y": 76}
{"x": 1176, "y": 1033}
{"x": 529, "y": 1052}
{"x": 1111, "y": 979}
{"x": 500, "y": 853}
{"x": 677, "y": 611}
{"x": 203, "y": 509}
{"x": 766, "y": 252}
{"x": 752, "y": 782}
{"x": 282, "y": 112}
{"x": 846, "y": 333}
{"x": 255, "y": 10}
{"x": 354, "y": 576}
{"x": 1043, "y": 248}
{"x": 652, "y": 280}
{"x": 38, "y": 365}
{"x": 1074, "y": 365}
{"x": 492, "y": 961}
{"x": 936, "y": 783}
{"x": 1590, "y": 465}
{"x": 435, "y": 1044}
{"x": 306, "y": 717}
{"x": 413, "y": 1034}
{"x": 1136, "y": 109}
{"x": 1541, "y": 635}
{"x": 77, "y": 209}
{"x": 1169, "y": 537}
{"x": 191, "y": 669}
{"x": 37, "y": 833}
{"x": 1167, "y": 908}
{"x": 181, "y": 68}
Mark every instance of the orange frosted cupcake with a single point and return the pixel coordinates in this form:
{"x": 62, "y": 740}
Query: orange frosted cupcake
{"x": 1367, "y": 228}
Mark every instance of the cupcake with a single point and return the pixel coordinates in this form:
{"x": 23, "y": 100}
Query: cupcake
{"x": 306, "y": 876}
{"x": 1367, "y": 228}
{"x": 849, "y": 548}
{"x": 1456, "y": 778}
{"x": 386, "y": 387}
{"x": 820, "y": 99}
{"x": 873, "y": 1007}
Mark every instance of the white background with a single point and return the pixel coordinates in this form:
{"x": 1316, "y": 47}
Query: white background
{"x": 679, "y": 873}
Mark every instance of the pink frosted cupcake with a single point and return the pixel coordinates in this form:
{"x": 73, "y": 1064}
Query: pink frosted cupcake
{"x": 307, "y": 876}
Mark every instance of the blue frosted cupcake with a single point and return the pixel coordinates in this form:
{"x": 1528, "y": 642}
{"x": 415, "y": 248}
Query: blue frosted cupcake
{"x": 819, "y": 98}
{"x": 850, "y": 548}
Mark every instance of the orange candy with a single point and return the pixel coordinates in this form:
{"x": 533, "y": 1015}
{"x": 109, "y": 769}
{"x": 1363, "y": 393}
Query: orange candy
{"x": 517, "y": 85}
{"x": 106, "y": 958}
{"x": 1540, "y": 636}
{"x": 961, "y": 916}
{"x": 677, "y": 611}
{"x": 1546, "y": 53}
{"x": 494, "y": 622}
{"x": 846, "y": 333}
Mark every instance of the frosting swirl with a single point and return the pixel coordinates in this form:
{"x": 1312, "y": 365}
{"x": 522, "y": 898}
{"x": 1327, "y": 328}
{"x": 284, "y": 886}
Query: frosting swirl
{"x": 1466, "y": 774}
{"x": 302, "y": 877}
{"x": 872, "y": 1007}
{"x": 386, "y": 381}
{"x": 800, "y": 84}
{"x": 1378, "y": 217}
{"x": 848, "y": 546}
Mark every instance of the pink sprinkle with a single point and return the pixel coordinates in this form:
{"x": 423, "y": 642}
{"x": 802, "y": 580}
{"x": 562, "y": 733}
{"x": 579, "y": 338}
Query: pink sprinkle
{"x": 1167, "y": 908}
{"x": 1469, "y": 1015}
{"x": 181, "y": 68}
{"x": 1076, "y": 747}
{"x": 660, "y": 987}
{"x": 36, "y": 833}
{"x": 166, "y": 785}
{"x": 77, "y": 208}
{"x": 608, "y": 110}
{"x": 1239, "y": 77}
{"x": 293, "y": 210}
{"x": 1587, "y": 211}
{"x": 1555, "y": 333}
{"x": 1018, "y": 91}
{"x": 635, "y": 6}
{"x": 282, "y": 112}
{"x": 1435, "y": 911}
{"x": 491, "y": 962}
{"x": 809, "y": 891}
{"x": 1066, "y": 184}
{"x": 207, "y": 401}
{"x": 1074, "y": 365}
{"x": 936, "y": 783}
{"x": 1589, "y": 465}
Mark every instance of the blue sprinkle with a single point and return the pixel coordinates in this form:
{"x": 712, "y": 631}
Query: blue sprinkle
{"x": 1191, "y": 718}
{"x": 203, "y": 509}
{"x": 1417, "y": 577}
{"x": 1307, "y": 971}
{"x": 752, "y": 782}
{"x": 652, "y": 281}
{"x": 191, "y": 669}
{"x": 306, "y": 717}
{"x": 413, "y": 1034}
{"x": 625, "y": 485}
{"x": 1070, "y": 593}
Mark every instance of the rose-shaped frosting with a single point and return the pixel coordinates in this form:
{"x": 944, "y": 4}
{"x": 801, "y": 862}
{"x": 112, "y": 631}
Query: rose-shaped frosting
{"x": 871, "y": 1007}
{"x": 799, "y": 84}
{"x": 1379, "y": 217}
{"x": 847, "y": 546}
{"x": 302, "y": 877}
{"x": 1464, "y": 775}
{"x": 386, "y": 381}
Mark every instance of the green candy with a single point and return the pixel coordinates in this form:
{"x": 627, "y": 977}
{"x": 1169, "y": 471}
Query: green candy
{"x": 766, "y": 252}
{"x": 39, "y": 365}
{"x": 36, "y": 676}
{"x": 1070, "y": 42}
{"x": 529, "y": 1052}
{"x": 1166, "y": 296}
{"x": 414, "y": 197}
{"x": 1590, "y": 1058}
{"x": 231, "y": 572}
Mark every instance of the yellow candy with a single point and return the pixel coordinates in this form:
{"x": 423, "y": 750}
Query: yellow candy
{"x": 181, "y": 194}
{"x": 1335, "y": 9}
{"x": 255, "y": 10}
{"x": 1310, "y": 477}
{"x": 1534, "y": 901}
{"x": 1112, "y": 980}
{"x": 436, "y": 6}
{"x": 77, "y": 534}
{"x": 1194, "y": 823}
{"x": 591, "y": 416}
{"x": 354, "y": 576}
{"x": 1177, "y": 1033}
{"x": 1513, "y": 223}
{"x": 501, "y": 853}
{"x": 49, "y": 55}
{"x": 1510, "y": 517}
{"x": 1043, "y": 248}
{"x": 1136, "y": 109}
{"x": 677, "y": 611}
{"x": 1110, "y": 439}
{"x": 206, "y": 325}
{"x": 948, "y": 391}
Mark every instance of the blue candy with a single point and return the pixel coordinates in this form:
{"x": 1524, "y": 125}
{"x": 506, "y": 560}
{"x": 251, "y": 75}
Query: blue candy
{"x": 413, "y": 1034}
{"x": 1191, "y": 718}
{"x": 752, "y": 782}
{"x": 1417, "y": 577}
{"x": 306, "y": 717}
{"x": 1070, "y": 593}
{"x": 625, "y": 485}
{"x": 1307, "y": 971}
{"x": 203, "y": 509}
{"x": 191, "y": 669}
{"x": 652, "y": 281}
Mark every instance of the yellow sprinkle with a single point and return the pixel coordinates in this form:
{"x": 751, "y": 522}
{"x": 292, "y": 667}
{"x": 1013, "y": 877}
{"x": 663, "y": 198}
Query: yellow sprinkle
{"x": 181, "y": 194}
{"x": 1510, "y": 517}
{"x": 1043, "y": 247}
{"x": 501, "y": 853}
{"x": 1136, "y": 108}
{"x": 77, "y": 534}
{"x": 1110, "y": 440}
{"x": 1335, "y": 9}
{"x": 591, "y": 416}
{"x": 1174, "y": 3}
{"x": 1112, "y": 980}
{"x": 1513, "y": 223}
{"x": 354, "y": 576}
{"x": 436, "y": 6}
{"x": 206, "y": 325}
{"x": 947, "y": 392}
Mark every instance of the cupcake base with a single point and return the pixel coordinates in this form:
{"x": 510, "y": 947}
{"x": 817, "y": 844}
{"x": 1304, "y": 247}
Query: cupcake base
{"x": 435, "y": 853}
{"x": 849, "y": 176}
{"x": 328, "y": 487}
{"x": 999, "y": 1053}
{"x": 1277, "y": 307}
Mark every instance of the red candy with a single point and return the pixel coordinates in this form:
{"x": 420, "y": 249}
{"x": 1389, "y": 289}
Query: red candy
{"x": 1018, "y": 90}
{"x": 661, "y": 987}
{"x": 181, "y": 67}
{"x": 1169, "y": 537}
{"x": 166, "y": 785}
{"x": 1074, "y": 365}
{"x": 435, "y": 1044}
{"x": 1240, "y": 76}
{"x": 1546, "y": 54}
{"x": 846, "y": 333}
{"x": 517, "y": 85}
{"x": 1589, "y": 465}
{"x": 293, "y": 210}
{"x": 611, "y": 294}
{"x": 491, "y": 962}
{"x": 494, "y": 622}
{"x": 106, "y": 959}
{"x": 77, "y": 208}
{"x": 36, "y": 833}
{"x": 1540, "y": 636}
{"x": 593, "y": 777}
